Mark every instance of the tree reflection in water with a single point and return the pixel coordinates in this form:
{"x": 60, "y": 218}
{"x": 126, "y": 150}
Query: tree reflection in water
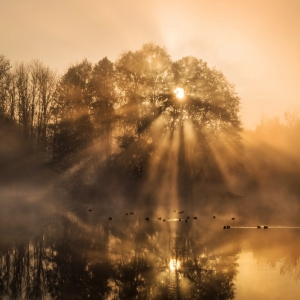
{"x": 284, "y": 255}
{"x": 70, "y": 259}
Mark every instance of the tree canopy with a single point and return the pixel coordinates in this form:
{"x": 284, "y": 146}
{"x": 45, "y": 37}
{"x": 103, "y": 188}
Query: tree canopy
{"x": 125, "y": 118}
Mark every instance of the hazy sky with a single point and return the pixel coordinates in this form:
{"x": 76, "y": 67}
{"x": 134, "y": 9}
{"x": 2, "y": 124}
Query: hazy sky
{"x": 255, "y": 43}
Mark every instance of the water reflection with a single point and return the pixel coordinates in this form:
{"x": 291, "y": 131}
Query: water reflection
{"x": 130, "y": 258}
{"x": 174, "y": 264}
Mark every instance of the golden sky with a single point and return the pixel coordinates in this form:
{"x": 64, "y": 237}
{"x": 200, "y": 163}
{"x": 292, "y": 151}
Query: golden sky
{"x": 255, "y": 43}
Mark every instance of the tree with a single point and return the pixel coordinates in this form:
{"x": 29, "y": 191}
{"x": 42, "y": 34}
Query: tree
{"x": 47, "y": 81}
{"x": 29, "y": 92}
{"x": 210, "y": 112}
{"x": 157, "y": 126}
{"x": 73, "y": 131}
{"x": 102, "y": 93}
{"x": 211, "y": 100}
{"x": 143, "y": 79}
{"x": 4, "y": 74}
{"x": 25, "y": 93}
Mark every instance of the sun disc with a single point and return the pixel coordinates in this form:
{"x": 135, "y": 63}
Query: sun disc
{"x": 179, "y": 93}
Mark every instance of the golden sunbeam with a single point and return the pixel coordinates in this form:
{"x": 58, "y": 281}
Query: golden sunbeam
{"x": 164, "y": 172}
{"x": 226, "y": 155}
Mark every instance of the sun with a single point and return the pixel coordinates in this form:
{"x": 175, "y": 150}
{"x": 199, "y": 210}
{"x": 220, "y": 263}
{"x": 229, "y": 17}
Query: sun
{"x": 179, "y": 93}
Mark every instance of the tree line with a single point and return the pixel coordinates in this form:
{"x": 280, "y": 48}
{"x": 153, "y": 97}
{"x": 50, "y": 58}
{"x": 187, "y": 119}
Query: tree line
{"x": 123, "y": 115}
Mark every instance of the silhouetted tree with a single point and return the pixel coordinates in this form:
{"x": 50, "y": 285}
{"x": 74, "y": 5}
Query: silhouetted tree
{"x": 28, "y": 98}
{"x": 151, "y": 113}
{"x": 4, "y": 74}
{"x": 47, "y": 81}
{"x": 208, "y": 118}
{"x": 25, "y": 93}
{"x": 102, "y": 93}
{"x": 73, "y": 129}
{"x": 144, "y": 79}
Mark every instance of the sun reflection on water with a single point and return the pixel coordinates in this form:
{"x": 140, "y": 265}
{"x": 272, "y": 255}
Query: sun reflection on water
{"x": 174, "y": 264}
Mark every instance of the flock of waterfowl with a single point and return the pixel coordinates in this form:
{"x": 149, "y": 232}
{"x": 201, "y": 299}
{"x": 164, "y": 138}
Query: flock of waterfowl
{"x": 164, "y": 220}
{"x": 185, "y": 220}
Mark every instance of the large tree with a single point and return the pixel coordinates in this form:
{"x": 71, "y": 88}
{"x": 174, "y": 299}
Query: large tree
{"x": 73, "y": 127}
{"x": 154, "y": 117}
{"x": 102, "y": 93}
{"x": 144, "y": 80}
{"x": 173, "y": 142}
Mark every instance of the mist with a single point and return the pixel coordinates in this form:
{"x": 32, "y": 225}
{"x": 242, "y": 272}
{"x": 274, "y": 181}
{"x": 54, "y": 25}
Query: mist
{"x": 30, "y": 192}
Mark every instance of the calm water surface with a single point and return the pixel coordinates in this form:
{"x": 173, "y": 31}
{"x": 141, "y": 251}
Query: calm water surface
{"x": 85, "y": 255}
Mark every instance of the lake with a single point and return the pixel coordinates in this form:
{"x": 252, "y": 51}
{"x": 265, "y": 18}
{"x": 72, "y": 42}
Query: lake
{"x": 170, "y": 254}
